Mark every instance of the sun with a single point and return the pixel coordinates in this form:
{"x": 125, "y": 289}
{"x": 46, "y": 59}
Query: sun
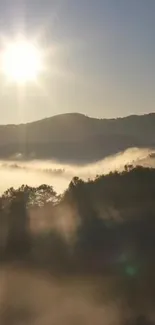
{"x": 21, "y": 61}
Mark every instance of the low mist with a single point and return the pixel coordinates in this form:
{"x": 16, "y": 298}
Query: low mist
{"x": 34, "y": 298}
{"x": 14, "y": 173}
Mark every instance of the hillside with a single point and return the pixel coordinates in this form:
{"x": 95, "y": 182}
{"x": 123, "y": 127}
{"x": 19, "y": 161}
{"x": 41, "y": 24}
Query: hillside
{"x": 76, "y": 137}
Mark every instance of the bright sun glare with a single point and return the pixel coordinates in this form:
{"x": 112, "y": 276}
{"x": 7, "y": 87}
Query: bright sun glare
{"x": 21, "y": 61}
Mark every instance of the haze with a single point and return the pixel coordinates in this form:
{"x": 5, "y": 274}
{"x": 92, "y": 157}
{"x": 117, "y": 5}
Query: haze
{"x": 37, "y": 172}
{"x": 101, "y": 59}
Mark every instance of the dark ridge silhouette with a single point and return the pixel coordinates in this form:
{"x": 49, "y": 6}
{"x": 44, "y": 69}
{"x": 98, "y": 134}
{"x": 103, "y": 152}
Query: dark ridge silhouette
{"x": 76, "y": 138}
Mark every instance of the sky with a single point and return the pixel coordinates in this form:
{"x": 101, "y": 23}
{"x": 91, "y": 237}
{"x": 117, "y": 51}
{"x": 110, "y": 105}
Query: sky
{"x": 101, "y": 58}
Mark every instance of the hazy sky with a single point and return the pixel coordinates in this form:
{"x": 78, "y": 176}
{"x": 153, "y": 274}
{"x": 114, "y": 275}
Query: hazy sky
{"x": 102, "y": 59}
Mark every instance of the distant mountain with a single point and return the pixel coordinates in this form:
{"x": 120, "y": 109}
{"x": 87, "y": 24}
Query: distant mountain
{"x": 76, "y": 138}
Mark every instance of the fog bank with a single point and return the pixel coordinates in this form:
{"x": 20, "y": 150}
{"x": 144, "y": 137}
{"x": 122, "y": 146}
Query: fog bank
{"x": 36, "y": 172}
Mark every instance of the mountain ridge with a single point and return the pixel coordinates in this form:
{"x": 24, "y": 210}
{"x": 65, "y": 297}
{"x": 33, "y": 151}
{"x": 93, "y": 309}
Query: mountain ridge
{"x": 76, "y": 137}
{"x": 76, "y": 114}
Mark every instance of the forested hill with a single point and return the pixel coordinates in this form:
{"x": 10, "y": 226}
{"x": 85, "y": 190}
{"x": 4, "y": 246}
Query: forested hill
{"x": 76, "y": 137}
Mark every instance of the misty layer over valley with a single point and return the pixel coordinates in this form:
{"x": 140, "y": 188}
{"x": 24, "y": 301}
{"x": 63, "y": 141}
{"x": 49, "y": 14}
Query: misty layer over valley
{"x": 77, "y": 233}
{"x": 55, "y": 149}
{"x": 14, "y": 173}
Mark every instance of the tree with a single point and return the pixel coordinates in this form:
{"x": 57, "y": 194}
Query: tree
{"x": 34, "y": 196}
{"x": 18, "y": 244}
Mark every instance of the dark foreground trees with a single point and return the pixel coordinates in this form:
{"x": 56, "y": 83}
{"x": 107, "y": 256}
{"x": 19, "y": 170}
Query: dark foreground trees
{"x": 114, "y": 217}
{"x": 103, "y": 227}
{"x": 109, "y": 227}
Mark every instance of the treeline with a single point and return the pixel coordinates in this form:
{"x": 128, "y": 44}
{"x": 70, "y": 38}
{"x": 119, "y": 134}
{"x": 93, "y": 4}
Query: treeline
{"x": 105, "y": 225}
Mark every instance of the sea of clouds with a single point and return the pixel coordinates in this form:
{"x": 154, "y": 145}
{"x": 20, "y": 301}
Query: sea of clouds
{"x": 36, "y": 172}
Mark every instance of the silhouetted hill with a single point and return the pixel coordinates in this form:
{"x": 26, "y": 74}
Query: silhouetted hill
{"x": 76, "y": 137}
